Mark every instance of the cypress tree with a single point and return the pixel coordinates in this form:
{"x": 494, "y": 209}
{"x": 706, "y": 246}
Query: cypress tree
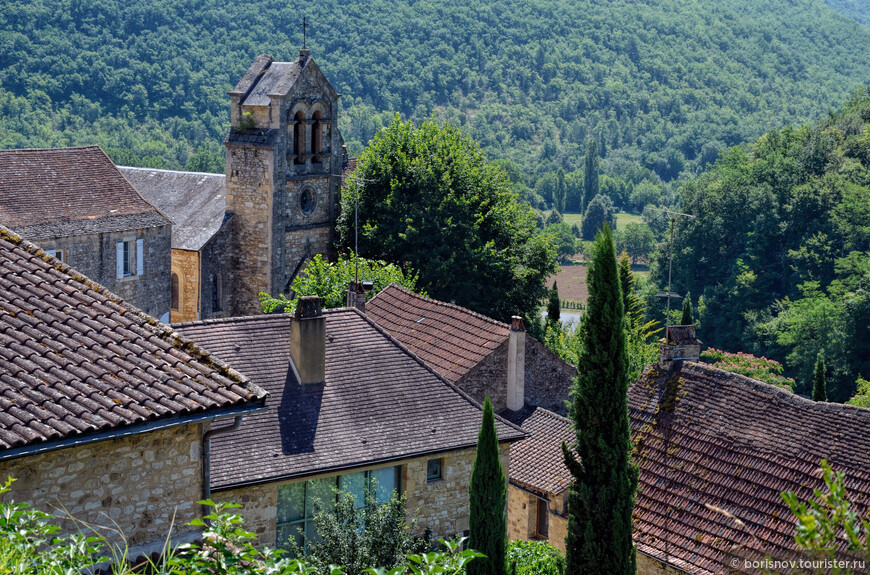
{"x": 488, "y": 500}
{"x": 591, "y": 185}
{"x": 820, "y": 386}
{"x": 688, "y": 313}
{"x": 601, "y": 497}
{"x": 626, "y": 283}
{"x": 553, "y": 305}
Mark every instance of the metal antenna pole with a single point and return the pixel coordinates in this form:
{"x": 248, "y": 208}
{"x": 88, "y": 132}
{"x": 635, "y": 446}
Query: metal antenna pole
{"x": 671, "y": 259}
{"x": 304, "y": 26}
{"x": 356, "y": 234}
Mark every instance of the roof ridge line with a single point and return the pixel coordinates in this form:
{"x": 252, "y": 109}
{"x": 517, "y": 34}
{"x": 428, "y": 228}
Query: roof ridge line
{"x": 414, "y": 356}
{"x": 161, "y": 330}
{"x": 445, "y": 304}
{"x": 552, "y": 414}
{"x": 171, "y": 171}
{"x": 50, "y": 149}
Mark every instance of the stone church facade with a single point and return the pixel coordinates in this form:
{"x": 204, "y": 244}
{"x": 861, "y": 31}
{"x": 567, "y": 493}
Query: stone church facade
{"x": 254, "y": 229}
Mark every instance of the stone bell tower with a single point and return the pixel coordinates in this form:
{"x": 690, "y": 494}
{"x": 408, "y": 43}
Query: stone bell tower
{"x": 283, "y": 173}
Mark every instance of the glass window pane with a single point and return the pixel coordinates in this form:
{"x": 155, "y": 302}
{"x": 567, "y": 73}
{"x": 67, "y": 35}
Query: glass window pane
{"x": 311, "y": 535}
{"x": 385, "y": 482}
{"x": 355, "y": 483}
{"x": 433, "y": 470}
{"x": 287, "y": 533}
{"x": 291, "y": 501}
{"x": 322, "y": 490}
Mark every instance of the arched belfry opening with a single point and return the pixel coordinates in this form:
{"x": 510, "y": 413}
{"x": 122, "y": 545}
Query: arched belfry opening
{"x": 317, "y": 136}
{"x": 299, "y": 137}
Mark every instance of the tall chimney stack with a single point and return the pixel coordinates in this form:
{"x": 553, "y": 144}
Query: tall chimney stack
{"x": 356, "y": 295}
{"x": 679, "y": 344}
{"x": 516, "y": 376}
{"x": 308, "y": 341}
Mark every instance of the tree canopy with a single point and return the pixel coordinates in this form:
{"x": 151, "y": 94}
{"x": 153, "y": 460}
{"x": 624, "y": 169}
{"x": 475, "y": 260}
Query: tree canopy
{"x": 429, "y": 200}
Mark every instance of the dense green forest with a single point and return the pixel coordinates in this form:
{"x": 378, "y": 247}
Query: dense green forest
{"x": 858, "y": 10}
{"x": 663, "y": 85}
{"x": 780, "y": 249}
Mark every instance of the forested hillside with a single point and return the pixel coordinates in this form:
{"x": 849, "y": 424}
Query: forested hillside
{"x": 664, "y": 85}
{"x": 780, "y": 249}
{"x": 858, "y": 10}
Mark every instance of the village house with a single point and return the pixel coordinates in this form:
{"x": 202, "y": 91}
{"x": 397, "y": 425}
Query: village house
{"x": 350, "y": 406}
{"x": 75, "y": 204}
{"x": 478, "y": 354}
{"x": 715, "y": 451}
{"x": 105, "y": 413}
{"x": 253, "y": 229}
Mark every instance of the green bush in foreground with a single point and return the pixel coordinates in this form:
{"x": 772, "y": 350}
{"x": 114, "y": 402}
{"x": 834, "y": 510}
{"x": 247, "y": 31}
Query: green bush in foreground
{"x": 534, "y": 558}
{"x": 29, "y": 545}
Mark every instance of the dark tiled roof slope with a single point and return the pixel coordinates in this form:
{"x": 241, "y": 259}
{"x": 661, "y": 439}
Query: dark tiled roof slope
{"x": 379, "y": 402}
{"x": 60, "y": 192}
{"x": 449, "y": 338}
{"x": 711, "y": 443}
{"x": 537, "y": 463}
{"x": 76, "y": 360}
{"x": 196, "y": 202}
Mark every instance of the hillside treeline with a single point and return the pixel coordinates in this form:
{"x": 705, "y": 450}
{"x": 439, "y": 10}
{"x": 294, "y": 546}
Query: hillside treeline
{"x": 780, "y": 250}
{"x": 662, "y": 85}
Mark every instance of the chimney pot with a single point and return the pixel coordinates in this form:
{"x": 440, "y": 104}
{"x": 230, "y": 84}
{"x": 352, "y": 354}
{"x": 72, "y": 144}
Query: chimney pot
{"x": 356, "y": 294}
{"x": 517, "y": 323}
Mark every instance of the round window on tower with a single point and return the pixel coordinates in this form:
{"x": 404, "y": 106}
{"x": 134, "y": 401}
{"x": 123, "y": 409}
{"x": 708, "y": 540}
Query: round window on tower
{"x": 307, "y": 201}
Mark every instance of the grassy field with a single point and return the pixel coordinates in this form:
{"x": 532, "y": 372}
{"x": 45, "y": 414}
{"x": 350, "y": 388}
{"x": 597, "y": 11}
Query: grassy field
{"x": 622, "y": 218}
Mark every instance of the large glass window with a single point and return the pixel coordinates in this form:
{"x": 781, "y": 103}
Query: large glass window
{"x": 297, "y": 501}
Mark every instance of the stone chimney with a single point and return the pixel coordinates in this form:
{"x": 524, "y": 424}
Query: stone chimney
{"x": 356, "y": 294}
{"x": 308, "y": 341}
{"x": 516, "y": 376}
{"x": 679, "y": 344}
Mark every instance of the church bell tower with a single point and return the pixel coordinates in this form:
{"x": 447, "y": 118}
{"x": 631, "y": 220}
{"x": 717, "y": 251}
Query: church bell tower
{"x": 283, "y": 173}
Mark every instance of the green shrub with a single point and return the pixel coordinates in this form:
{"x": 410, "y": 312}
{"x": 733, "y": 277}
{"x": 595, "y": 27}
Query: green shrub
{"x": 534, "y": 558}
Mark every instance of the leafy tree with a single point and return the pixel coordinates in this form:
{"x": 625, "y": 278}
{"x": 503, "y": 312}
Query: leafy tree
{"x": 820, "y": 388}
{"x": 601, "y": 497}
{"x": 688, "y": 313}
{"x": 636, "y": 239}
{"x": 760, "y": 368}
{"x": 330, "y": 281}
{"x": 591, "y": 173}
{"x": 429, "y": 200}
{"x": 535, "y": 558}
{"x": 862, "y": 396}
{"x": 641, "y": 345}
{"x": 488, "y": 501}
{"x": 553, "y": 305}
{"x": 563, "y": 239}
{"x": 598, "y": 213}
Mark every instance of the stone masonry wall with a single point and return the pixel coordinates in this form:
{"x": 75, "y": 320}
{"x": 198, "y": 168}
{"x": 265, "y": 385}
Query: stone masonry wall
{"x": 489, "y": 376}
{"x": 548, "y": 377}
{"x": 646, "y": 565}
{"x": 441, "y": 506}
{"x": 523, "y": 515}
{"x": 137, "y": 483}
{"x": 185, "y": 264}
{"x": 219, "y": 258}
{"x": 94, "y": 255}
{"x": 249, "y": 198}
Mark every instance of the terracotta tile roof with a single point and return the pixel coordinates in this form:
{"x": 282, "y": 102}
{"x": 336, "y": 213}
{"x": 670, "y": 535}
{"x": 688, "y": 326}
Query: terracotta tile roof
{"x": 76, "y": 361}
{"x": 379, "y": 402}
{"x": 196, "y": 202}
{"x": 60, "y": 192}
{"x": 536, "y": 462}
{"x": 707, "y": 440}
{"x": 449, "y": 338}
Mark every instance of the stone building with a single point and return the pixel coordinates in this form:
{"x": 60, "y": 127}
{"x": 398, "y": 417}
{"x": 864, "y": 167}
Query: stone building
{"x": 253, "y": 229}
{"x": 75, "y": 204}
{"x": 349, "y": 405}
{"x": 104, "y": 412}
{"x": 478, "y": 354}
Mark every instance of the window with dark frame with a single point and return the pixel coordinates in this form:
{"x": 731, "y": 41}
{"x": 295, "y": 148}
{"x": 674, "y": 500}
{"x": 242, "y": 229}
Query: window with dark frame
{"x": 542, "y": 525}
{"x": 433, "y": 470}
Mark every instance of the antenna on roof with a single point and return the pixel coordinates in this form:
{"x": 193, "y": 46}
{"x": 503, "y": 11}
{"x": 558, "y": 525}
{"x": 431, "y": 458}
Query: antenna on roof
{"x": 669, "y": 294}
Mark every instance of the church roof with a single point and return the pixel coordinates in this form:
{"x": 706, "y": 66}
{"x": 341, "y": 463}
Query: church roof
{"x": 195, "y": 201}
{"x": 379, "y": 403}
{"x": 716, "y": 450}
{"x": 60, "y": 192}
{"x": 450, "y": 338}
{"x": 77, "y": 362}
{"x": 265, "y": 78}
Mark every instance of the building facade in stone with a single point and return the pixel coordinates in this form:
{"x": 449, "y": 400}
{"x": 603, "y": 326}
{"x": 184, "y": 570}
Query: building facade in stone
{"x": 77, "y": 206}
{"x": 104, "y": 410}
{"x": 349, "y": 406}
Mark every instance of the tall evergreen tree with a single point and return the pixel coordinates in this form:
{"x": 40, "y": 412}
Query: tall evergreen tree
{"x": 488, "y": 500}
{"x": 602, "y": 495}
{"x": 591, "y": 185}
{"x": 688, "y": 313}
{"x": 553, "y": 305}
{"x": 820, "y": 386}
{"x": 626, "y": 283}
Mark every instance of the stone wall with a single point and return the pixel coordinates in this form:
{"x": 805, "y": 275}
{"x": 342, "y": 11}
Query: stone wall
{"x": 219, "y": 260}
{"x": 548, "y": 378}
{"x": 250, "y": 199}
{"x": 185, "y": 264}
{"x": 137, "y": 483}
{"x": 646, "y": 565}
{"x": 523, "y": 516}
{"x": 441, "y": 506}
{"x": 95, "y": 256}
